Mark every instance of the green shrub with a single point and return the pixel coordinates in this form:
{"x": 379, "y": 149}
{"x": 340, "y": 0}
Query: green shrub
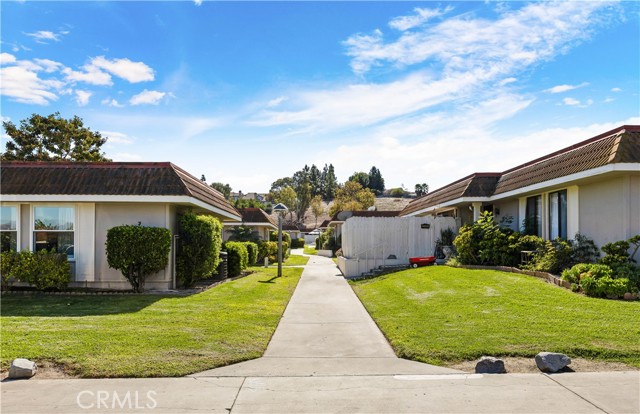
{"x": 244, "y": 234}
{"x": 616, "y": 253}
{"x": 583, "y": 250}
{"x": 297, "y": 243}
{"x": 268, "y": 249}
{"x": 138, "y": 251}
{"x": 286, "y": 237}
{"x": 252, "y": 251}
{"x": 628, "y": 271}
{"x": 552, "y": 257}
{"x": 198, "y": 252}
{"x": 43, "y": 270}
{"x": 285, "y": 250}
{"x": 237, "y": 257}
{"x": 611, "y": 288}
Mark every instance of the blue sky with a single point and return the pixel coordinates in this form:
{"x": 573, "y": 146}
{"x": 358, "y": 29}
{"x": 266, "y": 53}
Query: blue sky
{"x": 248, "y": 92}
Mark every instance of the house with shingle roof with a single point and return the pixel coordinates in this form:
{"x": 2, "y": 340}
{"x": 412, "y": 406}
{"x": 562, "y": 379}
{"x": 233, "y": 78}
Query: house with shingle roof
{"x": 70, "y": 207}
{"x": 257, "y": 219}
{"x": 592, "y": 188}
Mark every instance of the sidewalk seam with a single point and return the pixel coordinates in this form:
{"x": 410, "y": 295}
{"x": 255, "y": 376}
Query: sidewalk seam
{"x": 576, "y": 394}
{"x": 230, "y": 409}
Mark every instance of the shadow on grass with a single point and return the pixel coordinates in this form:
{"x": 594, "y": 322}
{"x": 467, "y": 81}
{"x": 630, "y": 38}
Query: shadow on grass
{"x": 64, "y": 306}
{"x": 269, "y": 280}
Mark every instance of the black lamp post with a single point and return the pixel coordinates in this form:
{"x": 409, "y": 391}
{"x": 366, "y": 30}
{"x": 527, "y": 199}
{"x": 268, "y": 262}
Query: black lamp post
{"x": 281, "y": 210}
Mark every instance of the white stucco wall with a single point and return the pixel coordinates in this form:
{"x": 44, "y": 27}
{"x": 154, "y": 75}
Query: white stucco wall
{"x": 109, "y": 215}
{"x": 610, "y": 210}
{"x": 509, "y": 208}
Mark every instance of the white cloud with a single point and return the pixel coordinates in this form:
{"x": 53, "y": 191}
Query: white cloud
{"x": 90, "y": 74}
{"x": 608, "y": 99}
{"x": 403, "y": 23}
{"x": 574, "y": 102}
{"x": 276, "y": 101}
{"x": 82, "y": 97}
{"x": 6, "y": 58}
{"x": 49, "y": 66}
{"x": 565, "y": 88}
{"x": 45, "y": 36}
{"x": 571, "y": 101}
{"x": 616, "y": 90}
{"x": 132, "y": 72}
{"x": 147, "y": 97}
{"x": 111, "y": 102}
{"x": 25, "y": 86}
{"x": 117, "y": 138}
{"x": 197, "y": 2}
{"x": 534, "y": 33}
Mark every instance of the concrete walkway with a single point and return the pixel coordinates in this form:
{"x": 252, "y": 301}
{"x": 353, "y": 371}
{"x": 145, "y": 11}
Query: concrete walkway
{"x": 327, "y": 355}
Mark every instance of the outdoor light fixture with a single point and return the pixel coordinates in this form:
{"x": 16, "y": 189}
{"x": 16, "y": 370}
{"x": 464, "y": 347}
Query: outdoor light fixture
{"x": 281, "y": 210}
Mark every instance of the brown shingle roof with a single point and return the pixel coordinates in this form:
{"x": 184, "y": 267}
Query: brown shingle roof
{"x": 256, "y": 215}
{"x": 114, "y": 178}
{"x": 474, "y": 185}
{"x": 621, "y": 145}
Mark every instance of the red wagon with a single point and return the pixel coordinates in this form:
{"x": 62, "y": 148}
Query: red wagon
{"x": 422, "y": 261}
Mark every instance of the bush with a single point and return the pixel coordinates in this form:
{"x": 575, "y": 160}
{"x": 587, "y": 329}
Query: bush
{"x": 286, "y": 237}
{"x": 268, "y": 249}
{"x": 552, "y": 257}
{"x": 597, "y": 280}
{"x": 297, "y": 243}
{"x": 138, "y": 251}
{"x": 252, "y": 251}
{"x": 616, "y": 253}
{"x": 631, "y": 272}
{"x": 237, "y": 257}
{"x": 43, "y": 270}
{"x": 198, "y": 252}
{"x": 583, "y": 250}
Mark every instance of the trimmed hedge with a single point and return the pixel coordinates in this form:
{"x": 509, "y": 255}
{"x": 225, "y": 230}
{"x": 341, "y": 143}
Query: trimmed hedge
{"x": 43, "y": 270}
{"x": 297, "y": 243}
{"x": 237, "y": 257}
{"x": 268, "y": 249}
{"x": 198, "y": 252}
{"x": 252, "y": 250}
{"x": 286, "y": 237}
{"x": 138, "y": 251}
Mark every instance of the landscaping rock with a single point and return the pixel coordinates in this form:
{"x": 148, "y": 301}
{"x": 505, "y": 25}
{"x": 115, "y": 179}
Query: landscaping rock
{"x": 629, "y": 296}
{"x": 551, "y": 361}
{"x": 490, "y": 365}
{"x": 22, "y": 368}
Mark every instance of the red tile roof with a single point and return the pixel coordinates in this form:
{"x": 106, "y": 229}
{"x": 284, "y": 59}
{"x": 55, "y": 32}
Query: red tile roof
{"x": 112, "y": 178}
{"x": 621, "y": 145}
{"x": 256, "y": 215}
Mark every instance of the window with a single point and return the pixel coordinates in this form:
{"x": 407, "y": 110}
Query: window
{"x": 533, "y": 218}
{"x": 558, "y": 215}
{"x": 8, "y": 228}
{"x": 53, "y": 229}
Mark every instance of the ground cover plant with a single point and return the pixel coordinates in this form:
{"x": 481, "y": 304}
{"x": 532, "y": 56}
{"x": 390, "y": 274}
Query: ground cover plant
{"x": 295, "y": 260}
{"x": 147, "y": 335}
{"x": 443, "y": 315}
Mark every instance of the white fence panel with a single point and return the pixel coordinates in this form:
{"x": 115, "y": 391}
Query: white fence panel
{"x": 375, "y": 241}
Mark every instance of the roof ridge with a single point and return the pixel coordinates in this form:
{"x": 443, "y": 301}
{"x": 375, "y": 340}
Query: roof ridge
{"x": 619, "y": 130}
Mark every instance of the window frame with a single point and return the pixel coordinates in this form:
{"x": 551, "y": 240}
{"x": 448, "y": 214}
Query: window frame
{"x": 539, "y": 208}
{"x": 18, "y": 216}
{"x": 562, "y": 224}
{"x": 32, "y": 242}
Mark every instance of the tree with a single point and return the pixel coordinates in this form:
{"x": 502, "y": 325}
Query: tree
{"x": 360, "y": 177}
{"x": 286, "y": 196}
{"x": 315, "y": 179}
{"x": 317, "y": 208}
{"x": 422, "y": 189}
{"x": 225, "y": 189}
{"x": 52, "y": 138}
{"x": 330, "y": 182}
{"x": 397, "y": 192}
{"x": 376, "y": 182}
{"x": 244, "y": 234}
{"x": 351, "y": 197}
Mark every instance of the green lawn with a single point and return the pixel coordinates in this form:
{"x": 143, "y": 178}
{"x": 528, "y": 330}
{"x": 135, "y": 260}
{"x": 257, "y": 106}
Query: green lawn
{"x": 148, "y": 335}
{"x": 309, "y": 250}
{"x": 445, "y": 315}
{"x": 296, "y": 260}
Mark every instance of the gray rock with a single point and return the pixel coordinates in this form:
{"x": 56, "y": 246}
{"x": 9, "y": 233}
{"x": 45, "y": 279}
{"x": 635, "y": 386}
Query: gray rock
{"x": 551, "y": 361}
{"x": 22, "y": 368}
{"x": 490, "y": 365}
